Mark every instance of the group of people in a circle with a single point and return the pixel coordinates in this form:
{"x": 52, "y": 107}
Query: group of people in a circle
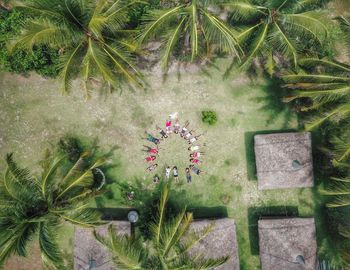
{"x": 172, "y": 126}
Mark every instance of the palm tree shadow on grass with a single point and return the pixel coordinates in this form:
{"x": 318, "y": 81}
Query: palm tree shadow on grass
{"x": 272, "y": 104}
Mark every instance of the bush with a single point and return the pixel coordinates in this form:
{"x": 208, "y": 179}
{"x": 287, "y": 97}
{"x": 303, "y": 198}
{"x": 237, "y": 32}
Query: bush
{"x": 42, "y": 59}
{"x": 209, "y": 117}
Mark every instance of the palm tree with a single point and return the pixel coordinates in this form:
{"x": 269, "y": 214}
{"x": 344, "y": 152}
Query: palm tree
{"x": 167, "y": 248}
{"x": 33, "y": 206}
{"x": 89, "y": 34}
{"x": 325, "y": 85}
{"x": 324, "y": 82}
{"x": 190, "y": 27}
{"x": 273, "y": 28}
{"x": 341, "y": 190}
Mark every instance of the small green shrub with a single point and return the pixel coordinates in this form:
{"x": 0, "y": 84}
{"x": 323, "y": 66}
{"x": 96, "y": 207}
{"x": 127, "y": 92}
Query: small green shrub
{"x": 209, "y": 117}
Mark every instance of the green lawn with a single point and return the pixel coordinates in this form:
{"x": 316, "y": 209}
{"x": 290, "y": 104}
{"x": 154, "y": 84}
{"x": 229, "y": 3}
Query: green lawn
{"x": 33, "y": 116}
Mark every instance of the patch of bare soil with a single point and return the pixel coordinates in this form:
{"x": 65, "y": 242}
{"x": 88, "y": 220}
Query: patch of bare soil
{"x": 31, "y": 262}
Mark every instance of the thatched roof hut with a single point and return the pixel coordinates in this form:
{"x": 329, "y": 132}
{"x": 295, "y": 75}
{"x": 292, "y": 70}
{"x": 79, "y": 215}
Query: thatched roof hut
{"x": 89, "y": 253}
{"x": 284, "y": 160}
{"x": 221, "y": 241}
{"x": 287, "y": 244}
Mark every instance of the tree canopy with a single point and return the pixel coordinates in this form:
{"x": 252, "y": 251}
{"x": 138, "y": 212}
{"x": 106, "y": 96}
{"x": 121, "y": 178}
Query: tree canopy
{"x": 167, "y": 248}
{"x": 33, "y": 206}
{"x": 90, "y": 36}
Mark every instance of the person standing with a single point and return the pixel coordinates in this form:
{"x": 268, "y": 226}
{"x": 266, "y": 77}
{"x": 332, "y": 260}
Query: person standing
{"x": 176, "y": 174}
{"x": 188, "y": 176}
{"x": 167, "y": 173}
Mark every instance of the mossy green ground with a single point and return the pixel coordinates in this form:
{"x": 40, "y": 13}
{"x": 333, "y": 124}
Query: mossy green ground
{"x": 33, "y": 116}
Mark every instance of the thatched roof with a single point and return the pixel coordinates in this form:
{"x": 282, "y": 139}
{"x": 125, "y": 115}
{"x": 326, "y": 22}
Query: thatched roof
{"x": 86, "y": 247}
{"x": 282, "y": 240}
{"x": 221, "y": 241}
{"x": 284, "y": 160}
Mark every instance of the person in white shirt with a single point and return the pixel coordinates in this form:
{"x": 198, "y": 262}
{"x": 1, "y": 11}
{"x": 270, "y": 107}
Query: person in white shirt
{"x": 167, "y": 173}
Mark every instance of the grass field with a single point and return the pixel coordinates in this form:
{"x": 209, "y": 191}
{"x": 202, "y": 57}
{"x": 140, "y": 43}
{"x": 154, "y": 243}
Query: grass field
{"x": 33, "y": 116}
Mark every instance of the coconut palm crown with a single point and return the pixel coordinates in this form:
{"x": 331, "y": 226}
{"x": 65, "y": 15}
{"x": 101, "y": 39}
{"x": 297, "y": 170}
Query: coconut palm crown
{"x": 89, "y": 34}
{"x": 270, "y": 29}
{"x": 190, "y": 28}
{"x": 327, "y": 85}
{"x": 35, "y": 206}
{"x": 167, "y": 249}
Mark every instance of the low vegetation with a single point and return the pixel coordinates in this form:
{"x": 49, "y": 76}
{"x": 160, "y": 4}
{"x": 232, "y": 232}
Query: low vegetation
{"x": 105, "y": 44}
{"x": 209, "y": 117}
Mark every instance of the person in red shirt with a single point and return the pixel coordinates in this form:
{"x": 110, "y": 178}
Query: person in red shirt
{"x": 195, "y": 161}
{"x": 168, "y": 126}
{"x": 196, "y": 154}
{"x": 150, "y": 158}
{"x": 150, "y": 150}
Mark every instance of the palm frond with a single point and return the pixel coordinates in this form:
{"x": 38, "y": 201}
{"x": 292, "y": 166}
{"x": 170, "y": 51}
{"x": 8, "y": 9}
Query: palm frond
{"x": 207, "y": 264}
{"x": 341, "y": 146}
{"x": 256, "y": 45}
{"x": 49, "y": 170}
{"x": 83, "y": 217}
{"x": 171, "y": 44}
{"x": 219, "y": 33}
{"x": 42, "y": 32}
{"x": 156, "y": 19}
{"x": 194, "y": 31}
{"x": 345, "y": 27}
{"x": 339, "y": 201}
{"x": 126, "y": 252}
{"x": 67, "y": 64}
{"x": 312, "y": 62}
{"x": 244, "y": 10}
{"x": 284, "y": 44}
{"x": 15, "y": 240}
{"x": 314, "y": 21}
{"x": 78, "y": 175}
{"x": 173, "y": 231}
{"x": 50, "y": 251}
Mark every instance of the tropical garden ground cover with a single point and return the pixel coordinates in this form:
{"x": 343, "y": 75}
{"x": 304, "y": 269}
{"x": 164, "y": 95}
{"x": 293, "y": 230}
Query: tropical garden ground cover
{"x": 34, "y": 117}
{"x": 97, "y": 39}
